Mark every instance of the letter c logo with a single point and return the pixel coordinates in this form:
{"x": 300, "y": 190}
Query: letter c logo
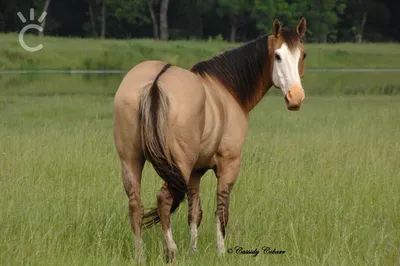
{"x": 21, "y": 38}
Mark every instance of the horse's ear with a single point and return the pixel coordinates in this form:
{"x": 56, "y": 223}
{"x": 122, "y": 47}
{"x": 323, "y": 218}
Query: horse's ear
{"x": 276, "y": 27}
{"x": 301, "y": 27}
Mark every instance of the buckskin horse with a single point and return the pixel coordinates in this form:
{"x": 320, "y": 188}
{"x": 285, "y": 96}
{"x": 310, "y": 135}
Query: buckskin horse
{"x": 185, "y": 122}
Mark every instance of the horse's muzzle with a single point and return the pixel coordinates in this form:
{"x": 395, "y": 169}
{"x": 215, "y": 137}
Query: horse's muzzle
{"x": 294, "y": 97}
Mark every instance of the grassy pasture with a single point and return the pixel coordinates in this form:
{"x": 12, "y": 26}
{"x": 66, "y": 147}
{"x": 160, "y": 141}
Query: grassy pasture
{"x": 321, "y": 184}
{"x": 75, "y": 53}
{"x": 314, "y": 83}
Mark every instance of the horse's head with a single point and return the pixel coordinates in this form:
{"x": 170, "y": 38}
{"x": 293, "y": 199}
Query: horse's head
{"x": 287, "y": 54}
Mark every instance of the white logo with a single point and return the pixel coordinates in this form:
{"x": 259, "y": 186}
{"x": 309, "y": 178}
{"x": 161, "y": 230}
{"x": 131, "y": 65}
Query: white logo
{"x": 28, "y": 27}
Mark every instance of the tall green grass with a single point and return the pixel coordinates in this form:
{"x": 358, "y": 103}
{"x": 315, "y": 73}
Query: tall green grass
{"x": 75, "y": 53}
{"x": 321, "y": 184}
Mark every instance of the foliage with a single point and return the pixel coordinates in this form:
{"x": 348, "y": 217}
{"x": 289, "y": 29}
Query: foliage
{"x": 325, "y": 16}
{"x": 327, "y": 20}
{"x": 233, "y": 7}
{"x": 266, "y": 10}
{"x": 132, "y": 11}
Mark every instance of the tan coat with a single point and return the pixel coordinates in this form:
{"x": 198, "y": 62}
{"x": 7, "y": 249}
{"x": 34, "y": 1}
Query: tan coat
{"x": 188, "y": 121}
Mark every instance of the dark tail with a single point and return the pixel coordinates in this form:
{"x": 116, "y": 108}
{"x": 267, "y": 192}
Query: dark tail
{"x": 153, "y": 115}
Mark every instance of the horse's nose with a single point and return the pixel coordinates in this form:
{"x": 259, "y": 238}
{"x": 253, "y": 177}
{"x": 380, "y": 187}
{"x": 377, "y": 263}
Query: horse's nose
{"x": 294, "y": 97}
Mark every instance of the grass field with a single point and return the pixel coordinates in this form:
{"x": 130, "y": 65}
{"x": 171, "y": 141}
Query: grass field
{"x": 321, "y": 184}
{"x": 330, "y": 83}
{"x": 70, "y": 53}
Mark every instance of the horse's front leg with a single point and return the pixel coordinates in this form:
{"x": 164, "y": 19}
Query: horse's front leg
{"x": 226, "y": 172}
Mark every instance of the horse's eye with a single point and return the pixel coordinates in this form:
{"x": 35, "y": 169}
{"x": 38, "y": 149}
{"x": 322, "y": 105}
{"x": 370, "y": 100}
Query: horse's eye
{"x": 304, "y": 56}
{"x": 278, "y": 58}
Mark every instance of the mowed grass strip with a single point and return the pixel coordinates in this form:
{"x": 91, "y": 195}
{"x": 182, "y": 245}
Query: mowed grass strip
{"x": 327, "y": 83}
{"x": 77, "y": 53}
{"x": 321, "y": 184}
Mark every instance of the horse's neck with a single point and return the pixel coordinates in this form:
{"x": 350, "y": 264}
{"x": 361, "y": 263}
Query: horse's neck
{"x": 214, "y": 85}
{"x": 258, "y": 95}
{"x": 265, "y": 82}
{"x": 264, "y": 85}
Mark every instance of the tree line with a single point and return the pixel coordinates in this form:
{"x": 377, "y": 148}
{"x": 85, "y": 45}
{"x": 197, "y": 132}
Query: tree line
{"x": 233, "y": 20}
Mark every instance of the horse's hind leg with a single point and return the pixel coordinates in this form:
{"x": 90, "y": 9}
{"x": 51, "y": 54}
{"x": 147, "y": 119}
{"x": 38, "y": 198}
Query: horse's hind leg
{"x": 167, "y": 201}
{"x": 164, "y": 204}
{"x": 195, "y": 213}
{"x": 131, "y": 176}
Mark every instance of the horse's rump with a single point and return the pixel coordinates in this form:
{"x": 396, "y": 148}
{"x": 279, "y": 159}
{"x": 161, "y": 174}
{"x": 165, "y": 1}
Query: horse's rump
{"x": 153, "y": 116}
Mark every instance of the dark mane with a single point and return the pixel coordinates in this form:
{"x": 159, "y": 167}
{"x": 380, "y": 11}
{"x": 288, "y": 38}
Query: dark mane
{"x": 239, "y": 70}
{"x": 291, "y": 37}
{"x": 242, "y": 70}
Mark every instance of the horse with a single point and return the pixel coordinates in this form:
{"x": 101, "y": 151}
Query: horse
{"x": 188, "y": 121}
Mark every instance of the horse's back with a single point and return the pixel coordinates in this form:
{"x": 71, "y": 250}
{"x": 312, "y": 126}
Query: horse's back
{"x": 177, "y": 83}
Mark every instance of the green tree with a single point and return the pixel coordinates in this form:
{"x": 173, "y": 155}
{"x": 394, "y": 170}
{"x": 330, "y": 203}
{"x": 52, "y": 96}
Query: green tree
{"x": 189, "y": 17}
{"x": 103, "y": 18}
{"x": 164, "y": 33}
{"x": 160, "y": 30}
{"x": 202, "y": 7}
{"x": 131, "y": 11}
{"x": 237, "y": 11}
{"x": 42, "y": 6}
{"x": 91, "y": 5}
{"x": 324, "y": 17}
{"x": 264, "y": 11}
{"x": 378, "y": 22}
{"x": 156, "y": 29}
{"x": 359, "y": 12}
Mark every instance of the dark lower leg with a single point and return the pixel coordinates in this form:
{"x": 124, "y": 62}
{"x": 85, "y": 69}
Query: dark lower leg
{"x": 195, "y": 214}
{"x": 136, "y": 216}
{"x": 222, "y": 213}
{"x": 164, "y": 204}
{"x": 131, "y": 179}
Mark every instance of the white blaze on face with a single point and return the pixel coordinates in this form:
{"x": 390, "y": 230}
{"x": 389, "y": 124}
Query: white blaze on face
{"x": 285, "y": 73}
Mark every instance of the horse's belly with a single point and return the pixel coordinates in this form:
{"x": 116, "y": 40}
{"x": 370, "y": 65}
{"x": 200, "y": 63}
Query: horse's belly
{"x": 205, "y": 160}
{"x": 213, "y": 130}
{"x": 211, "y": 139}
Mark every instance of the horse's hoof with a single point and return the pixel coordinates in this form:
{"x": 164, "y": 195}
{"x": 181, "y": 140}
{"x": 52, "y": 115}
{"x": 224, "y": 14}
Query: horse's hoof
{"x": 220, "y": 251}
{"x": 170, "y": 254}
{"x": 140, "y": 259}
{"x": 193, "y": 250}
